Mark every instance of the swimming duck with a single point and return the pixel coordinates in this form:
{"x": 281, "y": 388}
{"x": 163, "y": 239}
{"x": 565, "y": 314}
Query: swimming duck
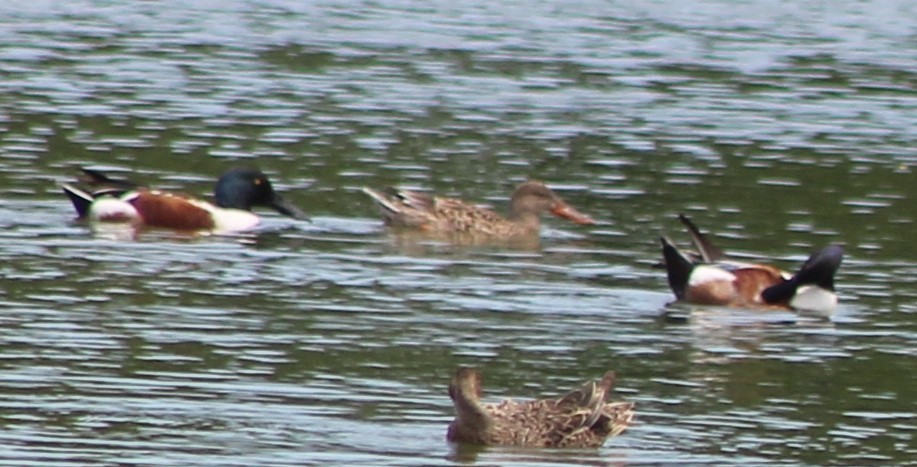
{"x": 710, "y": 279}
{"x": 235, "y": 194}
{"x": 581, "y": 418}
{"x": 435, "y": 214}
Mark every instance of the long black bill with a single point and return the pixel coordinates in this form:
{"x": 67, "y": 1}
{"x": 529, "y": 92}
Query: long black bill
{"x": 288, "y": 209}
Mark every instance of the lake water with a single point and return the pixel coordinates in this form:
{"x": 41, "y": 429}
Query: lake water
{"x": 779, "y": 127}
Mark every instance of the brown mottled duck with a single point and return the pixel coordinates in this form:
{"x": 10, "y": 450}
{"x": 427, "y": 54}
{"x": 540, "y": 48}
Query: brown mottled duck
{"x": 582, "y": 418}
{"x": 435, "y": 214}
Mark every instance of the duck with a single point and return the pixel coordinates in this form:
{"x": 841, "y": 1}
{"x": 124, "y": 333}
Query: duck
{"x": 435, "y": 214}
{"x": 237, "y": 191}
{"x": 707, "y": 277}
{"x": 580, "y": 419}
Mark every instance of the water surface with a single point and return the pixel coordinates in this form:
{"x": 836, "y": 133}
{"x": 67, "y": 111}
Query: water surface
{"x": 778, "y": 128}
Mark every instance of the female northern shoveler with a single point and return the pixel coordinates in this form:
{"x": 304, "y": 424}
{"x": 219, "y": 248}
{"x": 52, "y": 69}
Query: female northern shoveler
{"x": 237, "y": 191}
{"x": 410, "y": 209}
{"x": 710, "y": 280}
{"x": 581, "y": 418}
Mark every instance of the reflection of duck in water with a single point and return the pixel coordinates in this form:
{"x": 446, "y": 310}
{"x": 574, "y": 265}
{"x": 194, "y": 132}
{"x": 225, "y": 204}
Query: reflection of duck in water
{"x": 438, "y": 215}
{"x": 711, "y": 280}
{"x": 581, "y": 418}
{"x": 236, "y": 193}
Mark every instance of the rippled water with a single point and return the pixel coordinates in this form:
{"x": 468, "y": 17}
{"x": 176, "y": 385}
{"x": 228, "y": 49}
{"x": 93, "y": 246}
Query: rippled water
{"x": 778, "y": 127}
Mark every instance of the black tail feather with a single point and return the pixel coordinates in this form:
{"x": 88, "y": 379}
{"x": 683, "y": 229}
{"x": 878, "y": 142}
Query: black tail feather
{"x": 678, "y": 267}
{"x": 80, "y": 199}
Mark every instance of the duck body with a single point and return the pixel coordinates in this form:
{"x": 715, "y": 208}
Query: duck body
{"x": 709, "y": 279}
{"x": 581, "y": 418}
{"x": 435, "y": 214}
{"x": 171, "y": 211}
{"x": 236, "y": 193}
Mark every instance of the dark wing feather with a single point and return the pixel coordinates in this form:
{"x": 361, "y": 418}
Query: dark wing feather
{"x": 708, "y": 252}
{"x": 100, "y": 181}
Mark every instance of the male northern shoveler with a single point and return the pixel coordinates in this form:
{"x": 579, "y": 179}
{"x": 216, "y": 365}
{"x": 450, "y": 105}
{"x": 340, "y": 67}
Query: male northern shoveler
{"x": 711, "y": 280}
{"x": 410, "y": 209}
{"x": 236, "y": 193}
{"x": 581, "y": 418}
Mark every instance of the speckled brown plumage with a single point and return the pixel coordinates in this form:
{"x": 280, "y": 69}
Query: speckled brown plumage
{"x": 581, "y": 418}
{"x": 435, "y": 214}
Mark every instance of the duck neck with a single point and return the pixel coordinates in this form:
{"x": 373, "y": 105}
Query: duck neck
{"x": 472, "y": 419}
{"x": 530, "y": 220}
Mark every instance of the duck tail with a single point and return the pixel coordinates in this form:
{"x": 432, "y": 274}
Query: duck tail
{"x": 81, "y": 200}
{"x": 678, "y": 267}
{"x": 384, "y": 201}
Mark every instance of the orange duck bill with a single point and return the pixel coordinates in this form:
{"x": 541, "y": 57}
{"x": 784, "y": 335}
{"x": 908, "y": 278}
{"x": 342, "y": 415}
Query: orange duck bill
{"x": 565, "y": 211}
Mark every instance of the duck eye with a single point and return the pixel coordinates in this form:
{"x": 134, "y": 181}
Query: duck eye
{"x": 259, "y": 181}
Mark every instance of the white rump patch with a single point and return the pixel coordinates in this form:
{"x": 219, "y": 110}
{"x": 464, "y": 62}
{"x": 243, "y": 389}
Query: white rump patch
{"x": 815, "y": 299}
{"x": 705, "y": 274}
{"x": 108, "y": 208}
